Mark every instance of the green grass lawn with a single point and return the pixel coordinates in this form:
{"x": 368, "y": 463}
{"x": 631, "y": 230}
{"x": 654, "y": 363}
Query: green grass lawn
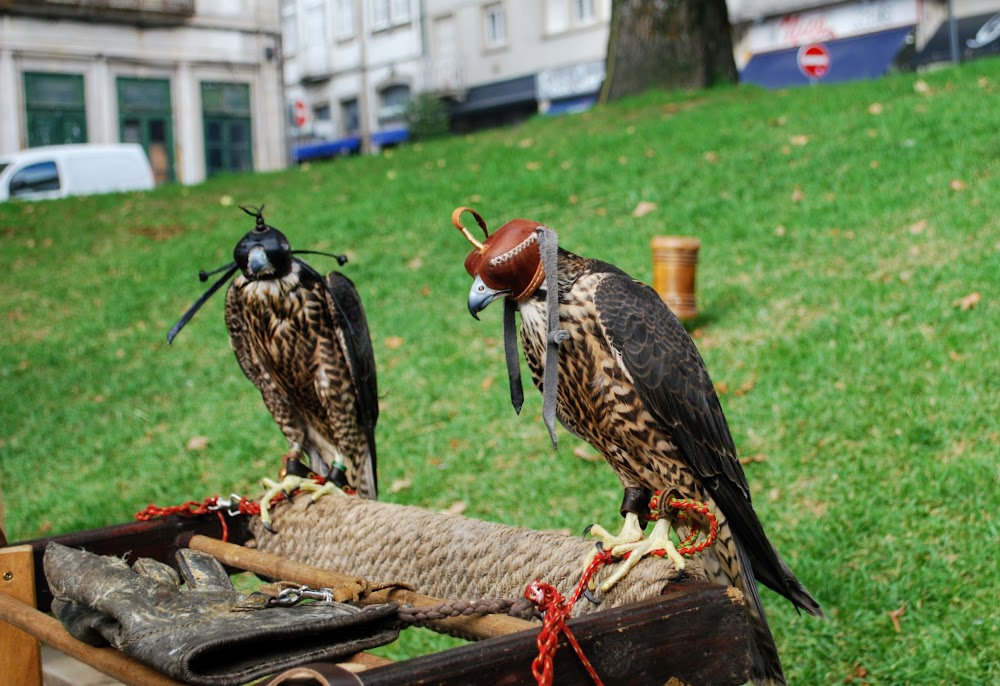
{"x": 850, "y": 305}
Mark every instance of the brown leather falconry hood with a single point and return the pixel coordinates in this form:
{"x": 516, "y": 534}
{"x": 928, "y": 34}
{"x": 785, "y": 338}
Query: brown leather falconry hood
{"x": 509, "y": 259}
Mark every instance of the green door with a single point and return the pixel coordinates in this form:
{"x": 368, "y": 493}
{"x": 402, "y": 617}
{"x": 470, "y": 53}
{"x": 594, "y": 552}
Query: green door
{"x": 226, "y": 116}
{"x": 145, "y": 117}
{"x": 54, "y": 108}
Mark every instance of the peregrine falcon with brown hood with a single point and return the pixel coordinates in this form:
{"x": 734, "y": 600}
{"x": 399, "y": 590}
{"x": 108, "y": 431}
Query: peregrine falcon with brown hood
{"x": 303, "y": 340}
{"x": 618, "y": 369}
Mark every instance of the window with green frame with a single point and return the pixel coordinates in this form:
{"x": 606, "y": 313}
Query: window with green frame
{"x": 55, "y": 109}
{"x": 145, "y": 117}
{"x": 226, "y": 118}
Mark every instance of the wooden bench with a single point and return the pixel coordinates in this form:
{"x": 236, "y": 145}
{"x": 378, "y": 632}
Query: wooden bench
{"x": 693, "y": 633}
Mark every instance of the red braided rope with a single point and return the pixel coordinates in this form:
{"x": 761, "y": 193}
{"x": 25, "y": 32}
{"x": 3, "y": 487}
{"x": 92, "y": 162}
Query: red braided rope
{"x": 235, "y": 504}
{"x": 684, "y": 508}
{"x": 556, "y": 609}
{"x": 192, "y": 508}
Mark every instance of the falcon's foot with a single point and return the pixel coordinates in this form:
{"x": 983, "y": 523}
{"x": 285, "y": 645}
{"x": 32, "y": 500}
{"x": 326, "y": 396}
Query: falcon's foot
{"x": 289, "y": 485}
{"x": 631, "y": 541}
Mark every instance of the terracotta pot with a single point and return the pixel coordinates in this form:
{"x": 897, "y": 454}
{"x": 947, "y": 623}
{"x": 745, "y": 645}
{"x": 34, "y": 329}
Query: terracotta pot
{"x": 675, "y": 260}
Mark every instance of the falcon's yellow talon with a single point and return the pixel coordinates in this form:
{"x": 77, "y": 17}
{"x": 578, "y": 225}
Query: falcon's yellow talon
{"x": 289, "y": 485}
{"x": 631, "y": 541}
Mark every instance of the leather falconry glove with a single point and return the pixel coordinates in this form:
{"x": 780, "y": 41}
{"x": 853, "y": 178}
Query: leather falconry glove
{"x": 205, "y": 633}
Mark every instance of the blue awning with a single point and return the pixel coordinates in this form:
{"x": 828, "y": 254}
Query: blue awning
{"x": 851, "y": 59}
{"x": 319, "y": 151}
{"x": 391, "y": 136}
{"x": 570, "y": 105}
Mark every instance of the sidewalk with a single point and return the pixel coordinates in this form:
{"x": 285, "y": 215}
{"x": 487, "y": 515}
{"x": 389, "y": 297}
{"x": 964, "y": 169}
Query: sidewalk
{"x": 59, "y": 669}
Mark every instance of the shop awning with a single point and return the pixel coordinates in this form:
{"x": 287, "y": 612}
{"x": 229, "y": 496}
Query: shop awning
{"x": 850, "y": 59}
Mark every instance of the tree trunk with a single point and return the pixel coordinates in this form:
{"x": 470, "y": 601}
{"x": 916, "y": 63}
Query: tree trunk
{"x": 667, "y": 44}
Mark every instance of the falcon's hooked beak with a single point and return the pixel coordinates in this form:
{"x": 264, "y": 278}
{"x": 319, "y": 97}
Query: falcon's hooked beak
{"x": 257, "y": 262}
{"x": 481, "y": 295}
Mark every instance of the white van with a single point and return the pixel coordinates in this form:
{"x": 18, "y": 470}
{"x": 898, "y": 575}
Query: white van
{"x": 56, "y": 171}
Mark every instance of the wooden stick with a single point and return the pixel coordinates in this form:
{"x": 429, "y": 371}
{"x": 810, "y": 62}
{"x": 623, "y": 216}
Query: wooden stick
{"x": 275, "y": 567}
{"x": 49, "y": 631}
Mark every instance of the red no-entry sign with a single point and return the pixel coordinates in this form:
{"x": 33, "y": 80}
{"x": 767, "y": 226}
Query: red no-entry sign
{"x": 299, "y": 113}
{"x": 814, "y": 60}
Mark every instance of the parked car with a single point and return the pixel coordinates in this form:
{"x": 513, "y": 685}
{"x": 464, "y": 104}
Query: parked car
{"x": 56, "y": 171}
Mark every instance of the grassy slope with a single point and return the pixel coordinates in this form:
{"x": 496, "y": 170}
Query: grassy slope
{"x": 840, "y": 226}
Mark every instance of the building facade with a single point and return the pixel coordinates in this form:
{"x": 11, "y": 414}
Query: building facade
{"x": 197, "y": 82}
{"x": 351, "y": 67}
{"x": 781, "y": 43}
{"x": 211, "y": 86}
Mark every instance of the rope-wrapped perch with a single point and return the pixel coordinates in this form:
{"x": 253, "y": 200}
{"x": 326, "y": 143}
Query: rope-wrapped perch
{"x": 446, "y": 555}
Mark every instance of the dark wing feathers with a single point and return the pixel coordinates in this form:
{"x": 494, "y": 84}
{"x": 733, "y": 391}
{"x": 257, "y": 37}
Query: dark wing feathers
{"x": 669, "y": 376}
{"x": 673, "y": 382}
{"x": 357, "y": 344}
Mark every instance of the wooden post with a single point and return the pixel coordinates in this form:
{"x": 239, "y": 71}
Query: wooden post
{"x": 675, "y": 259}
{"x": 20, "y": 653}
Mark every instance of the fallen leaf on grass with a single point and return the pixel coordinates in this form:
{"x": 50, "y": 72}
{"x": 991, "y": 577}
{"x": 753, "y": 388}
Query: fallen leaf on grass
{"x": 643, "y": 208}
{"x": 456, "y": 508}
{"x": 894, "y": 616}
{"x": 922, "y": 87}
{"x": 750, "y": 459}
{"x": 957, "y": 185}
{"x": 400, "y": 485}
{"x": 968, "y": 302}
{"x": 585, "y": 453}
{"x": 797, "y": 194}
{"x": 486, "y": 384}
{"x": 859, "y": 672}
{"x": 197, "y": 443}
{"x": 393, "y": 342}
{"x": 918, "y": 227}
{"x": 799, "y": 140}
{"x": 875, "y": 108}
{"x": 746, "y": 386}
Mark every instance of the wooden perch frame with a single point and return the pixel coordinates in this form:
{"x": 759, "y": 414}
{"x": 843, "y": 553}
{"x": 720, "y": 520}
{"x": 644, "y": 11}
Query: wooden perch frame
{"x": 684, "y": 631}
